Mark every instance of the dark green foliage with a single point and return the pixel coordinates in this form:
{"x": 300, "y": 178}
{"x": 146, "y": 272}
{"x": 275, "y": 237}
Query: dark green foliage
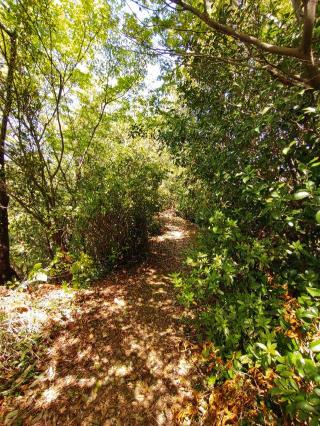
{"x": 258, "y": 300}
{"x": 117, "y": 197}
{"x": 251, "y": 149}
{"x": 113, "y": 222}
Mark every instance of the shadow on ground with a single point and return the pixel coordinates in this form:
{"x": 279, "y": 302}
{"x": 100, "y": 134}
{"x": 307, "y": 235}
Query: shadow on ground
{"x": 123, "y": 357}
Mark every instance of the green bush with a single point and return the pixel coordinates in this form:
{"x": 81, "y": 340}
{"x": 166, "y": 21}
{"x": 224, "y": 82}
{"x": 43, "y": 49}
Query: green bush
{"x": 117, "y": 205}
{"x": 77, "y": 271}
{"x": 255, "y": 283}
{"x": 105, "y": 214}
{"x": 259, "y": 306}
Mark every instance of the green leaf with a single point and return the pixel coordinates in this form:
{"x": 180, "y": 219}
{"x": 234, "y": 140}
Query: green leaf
{"x": 265, "y": 110}
{"x": 212, "y": 380}
{"x": 316, "y": 391}
{"x": 286, "y": 150}
{"x": 314, "y": 292}
{"x": 300, "y": 195}
{"x": 309, "y": 110}
{"x": 262, "y": 346}
{"x": 40, "y": 276}
{"x": 275, "y": 194}
{"x": 318, "y": 216}
{"x": 305, "y": 406}
{"x": 315, "y": 346}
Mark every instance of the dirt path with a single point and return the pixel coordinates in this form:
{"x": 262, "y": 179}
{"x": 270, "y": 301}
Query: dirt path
{"x": 122, "y": 359}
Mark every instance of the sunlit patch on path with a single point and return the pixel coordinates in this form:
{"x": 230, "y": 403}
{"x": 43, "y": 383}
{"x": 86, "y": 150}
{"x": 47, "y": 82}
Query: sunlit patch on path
{"x": 121, "y": 359}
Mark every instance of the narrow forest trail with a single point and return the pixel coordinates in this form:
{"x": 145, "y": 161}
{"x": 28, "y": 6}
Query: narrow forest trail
{"x": 122, "y": 359}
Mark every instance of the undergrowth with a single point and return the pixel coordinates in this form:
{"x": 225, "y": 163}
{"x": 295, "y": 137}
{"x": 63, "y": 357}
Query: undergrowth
{"x": 257, "y": 315}
{"x": 27, "y": 317}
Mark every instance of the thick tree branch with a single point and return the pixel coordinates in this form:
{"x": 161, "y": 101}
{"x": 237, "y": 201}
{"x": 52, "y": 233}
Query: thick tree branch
{"x": 6, "y": 271}
{"x": 310, "y": 10}
{"x": 303, "y": 53}
{"x": 292, "y": 52}
{"x": 296, "y": 4}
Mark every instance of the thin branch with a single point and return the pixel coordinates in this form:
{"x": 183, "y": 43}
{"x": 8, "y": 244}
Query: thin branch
{"x": 58, "y": 98}
{"x": 96, "y": 126}
{"x": 282, "y": 76}
{"x": 4, "y": 49}
{"x": 28, "y": 210}
{"x": 6, "y": 30}
{"x": 205, "y": 7}
{"x": 171, "y": 52}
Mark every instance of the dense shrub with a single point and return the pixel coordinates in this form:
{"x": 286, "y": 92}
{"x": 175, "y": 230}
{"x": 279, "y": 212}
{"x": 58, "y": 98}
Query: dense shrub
{"x": 255, "y": 286}
{"x": 113, "y": 222}
{"x": 259, "y": 305}
{"x": 254, "y": 173}
{"x": 106, "y": 217}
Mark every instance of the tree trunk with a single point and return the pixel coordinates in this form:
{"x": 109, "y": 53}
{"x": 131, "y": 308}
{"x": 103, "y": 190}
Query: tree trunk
{"x": 59, "y": 240}
{"x": 312, "y": 75}
{"x": 6, "y": 272}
